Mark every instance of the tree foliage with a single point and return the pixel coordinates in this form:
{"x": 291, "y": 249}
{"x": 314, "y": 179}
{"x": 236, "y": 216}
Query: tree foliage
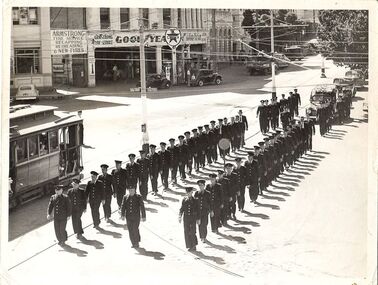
{"x": 344, "y": 34}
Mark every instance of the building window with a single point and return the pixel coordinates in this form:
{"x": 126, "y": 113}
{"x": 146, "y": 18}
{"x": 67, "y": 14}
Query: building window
{"x": 166, "y": 18}
{"x": 186, "y": 18}
{"x": 179, "y": 18}
{"x": 26, "y": 60}
{"x": 67, "y": 18}
{"x": 125, "y": 18}
{"x": 145, "y": 17}
{"x": 105, "y": 18}
{"x": 25, "y": 15}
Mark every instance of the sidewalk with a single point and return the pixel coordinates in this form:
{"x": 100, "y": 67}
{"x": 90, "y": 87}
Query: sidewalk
{"x": 305, "y": 229}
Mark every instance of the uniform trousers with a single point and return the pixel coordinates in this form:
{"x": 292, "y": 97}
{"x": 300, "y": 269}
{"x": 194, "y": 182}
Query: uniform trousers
{"x": 107, "y": 207}
{"x": 154, "y": 178}
{"x": 133, "y": 228}
{"x": 202, "y": 227}
{"x": 119, "y": 194}
{"x": 143, "y": 186}
{"x": 60, "y": 229}
{"x": 174, "y": 172}
{"x": 76, "y": 221}
{"x": 190, "y": 231}
{"x": 164, "y": 176}
{"x": 241, "y": 197}
{"x": 253, "y": 191}
{"x": 95, "y": 211}
{"x": 215, "y": 220}
{"x": 181, "y": 168}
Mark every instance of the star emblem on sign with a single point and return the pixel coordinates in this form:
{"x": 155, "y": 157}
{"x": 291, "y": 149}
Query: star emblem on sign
{"x": 173, "y": 37}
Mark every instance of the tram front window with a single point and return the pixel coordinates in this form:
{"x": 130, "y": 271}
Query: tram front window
{"x": 21, "y": 151}
{"x": 33, "y": 149}
{"x": 54, "y": 143}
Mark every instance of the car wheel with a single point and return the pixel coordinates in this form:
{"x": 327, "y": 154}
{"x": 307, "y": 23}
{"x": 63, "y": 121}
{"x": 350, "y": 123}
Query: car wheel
{"x": 218, "y": 81}
{"x": 200, "y": 83}
{"x": 167, "y": 84}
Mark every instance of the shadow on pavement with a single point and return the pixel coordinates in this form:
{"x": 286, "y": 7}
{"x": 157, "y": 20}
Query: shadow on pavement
{"x": 244, "y": 230}
{"x": 218, "y": 260}
{"x": 279, "y": 180}
{"x": 152, "y": 210}
{"x": 288, "y": 188}
{"x": 261, "y": 216}
{"x": 114, "y": 224}
{"x": 155, "y": 254}
{"x": 288, "y": 179}
{"x": 300, "y": 167}
{"x": 297, "y": 171}
{"x": 93, "y": 242}
{"x": 273, "y": 198}
{"x": 168, "y": 198}
{"x": 70, "y": 249}
{"x": 157, "y": 203}
{"x": 110, "y": 233}
{"x": 225, "y": 248}
{"x": 274, "y": 207}
{"x": 177, "y": 192}
{"x": 251, "y": 223}
{"x": 238, "y": 239}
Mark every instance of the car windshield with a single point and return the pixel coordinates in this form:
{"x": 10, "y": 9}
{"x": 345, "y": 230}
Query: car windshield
{"x": 260, "y": 59}
{"x": 26, "y": 87}
{"x": 351, "y": 73}
{"x": 320, "y": 97}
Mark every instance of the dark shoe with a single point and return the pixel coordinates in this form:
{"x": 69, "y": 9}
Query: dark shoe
{"x": 192, "y": 249}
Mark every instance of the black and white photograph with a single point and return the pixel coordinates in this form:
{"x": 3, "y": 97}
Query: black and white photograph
{"x": 176, "y": 142}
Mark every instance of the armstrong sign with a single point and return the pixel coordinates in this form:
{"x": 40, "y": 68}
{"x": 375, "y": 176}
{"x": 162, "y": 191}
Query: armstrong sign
{"x": 152, "y": 38}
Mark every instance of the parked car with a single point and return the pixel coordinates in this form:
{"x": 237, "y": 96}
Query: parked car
{"x": 27, "y": 92}
{"x": 156, "y": 81}
{"x": 281, "y": 60}
{"x": 357, "y": 77}
{"x": 201, "y": 77}
{"x": 260, "y": 65}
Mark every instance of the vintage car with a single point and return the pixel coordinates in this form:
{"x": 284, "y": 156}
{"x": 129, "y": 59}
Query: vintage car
{"x": 260, "y": 65}
{"x": 281, "y": 60}
{"x": 295, "y": 52}
{"x": 27, "y": 92}
{"x": 345, "y": 85}
{"x": 201, "y": 77}
{"x": 157, "y": 81}
{"x": 322, "y": 95}
{"x": 357, "y": 77}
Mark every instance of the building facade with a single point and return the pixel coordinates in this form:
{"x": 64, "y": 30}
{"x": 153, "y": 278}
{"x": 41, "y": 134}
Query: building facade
{"x": 87, "y": 46}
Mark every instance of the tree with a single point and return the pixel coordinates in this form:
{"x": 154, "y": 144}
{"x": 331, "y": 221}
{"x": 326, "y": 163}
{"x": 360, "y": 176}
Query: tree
{"x": 344, "y": 34}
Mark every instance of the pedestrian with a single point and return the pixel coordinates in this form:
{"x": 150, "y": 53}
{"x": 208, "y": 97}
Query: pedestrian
{"x": 221, "y": 135}
{"x": 143, "y": 166}
{"x": 251, "y": 169}
{"x": 189, "y": 212}
{"x": 201, "y": 148}
{"x": 196, "y": 149}
{"x": 119, "y": 182}
{"x": 203, "y": 198}
{"x": 189, "y": 142}
{"x": 208, "y": 137}
{"x": 95, "y": 195}
{"x": 240, "y": 172}
{"x": 233, "y": 132}
{"x": 132, "y": 172}
{"x": 106, "y": 180}
{"x": 61, "y": 205}
{"x": 233, "y": 189}
{"x": 182, "y": 156}
{"x": 244, "y": 122}
{"x": 291, "y": 103}
{"x": 226, "y": 131}
{"x": 173, "y": 159}
{"x": 261, "y": 115}
{"x": 153, "y": 168}
{"x": 226, "y": 195}
{"x": 283, "y": 103}
{"x": 79, "y": 206}
{"x": 297, "y": 97}
{"x": 216, "y": 203}
{"x": 133, "y": 210}
{"x": 164, "y": 165}
{"x": 214, "y": 139}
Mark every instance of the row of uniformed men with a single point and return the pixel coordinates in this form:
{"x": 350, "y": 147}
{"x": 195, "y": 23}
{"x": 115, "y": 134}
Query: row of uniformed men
{"x": 285, "y": 109}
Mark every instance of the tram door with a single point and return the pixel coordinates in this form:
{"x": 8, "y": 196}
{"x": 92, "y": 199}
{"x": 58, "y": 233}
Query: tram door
{"x": 69, "y": 150}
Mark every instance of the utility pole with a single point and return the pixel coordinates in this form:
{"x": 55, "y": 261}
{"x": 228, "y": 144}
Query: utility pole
{"x": 274, "y": 93}
{"x": 142, "y": 71}
{"x": 214, "y": 39}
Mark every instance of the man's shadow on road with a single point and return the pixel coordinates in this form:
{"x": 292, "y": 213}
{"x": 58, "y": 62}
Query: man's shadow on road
{"x": 225, "y": 248}
{"x": 155, "y": 254}
{"x": 77, "y": 251}
{"x": 256, "y": 215}
{"x": 244, "y": 230}
{"x": 238, "y": 239}
{"x": 110, "y": 233}
{"x": 114, "y": 224}
{"x": 216, "y": 259}
{"x": 273, "y": 207}
{"x": 95, "y": 243}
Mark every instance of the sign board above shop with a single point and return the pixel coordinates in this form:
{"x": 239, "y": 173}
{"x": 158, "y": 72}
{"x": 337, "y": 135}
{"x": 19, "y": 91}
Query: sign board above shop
{"x": 152, "y": 38}
{"x": 68, "y": 42}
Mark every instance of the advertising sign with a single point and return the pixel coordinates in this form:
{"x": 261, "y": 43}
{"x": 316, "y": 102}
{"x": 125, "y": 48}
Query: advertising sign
{"x": 68, "y": 42}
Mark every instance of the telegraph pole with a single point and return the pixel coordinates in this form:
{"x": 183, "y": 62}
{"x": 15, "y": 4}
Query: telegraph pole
{"x": 274, "y": 93}
{"x": 142, "y": 71}
{"x": 214, "y": 39}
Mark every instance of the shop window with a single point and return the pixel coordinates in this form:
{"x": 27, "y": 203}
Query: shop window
{"x": 43, "y": 144}
{"x": 105, "y": 18}
{"x": 166, "y": 18}
{"x": 25, "y": 15}
{"x": 53, "y": 141}
{"x": 21, "y": 150}
{"x": 33, "y": 146}
{"x": 145, "y": 17}
{"x": 26, "y": 60}
{"x": 125, "y": 18}
{"x": 67, "y": 18}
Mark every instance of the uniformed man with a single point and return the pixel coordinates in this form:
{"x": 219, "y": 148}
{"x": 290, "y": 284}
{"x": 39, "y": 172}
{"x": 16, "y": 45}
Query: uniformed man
{"x": 79, "y": 205}
{"x": 214, "y": 139}
{"x": 143, "y": 163}
{"x": 233, "y": 188}
{"x": 216, "y": 202}
{"x": 132, "y": 172}
{"x": 153, "y": 168}
{"x": 226, "y": 195}
{"x": 132, "y": 209}
{"x": 226, "y": 133}
{"x": 238, "y": 132}
{"x": 119, "y": 182}
{"x": 95, "y": 195}
{"x": 182, "y": 156}
{"x": 251, "y": 169}
{"x": 262, "y": 167}
{"x": 106, "y": 180}
{"x": 203, "y": 198}
{"x": 201, "y": 147}
{"x": 190, "y": 147}
{"x": 221, "y": 135}
{"x": 164, "y": 158}
{"x": 291, "y": 103}
{"x": 240, "y": 172}
{"x": 268, "y": 111}
{"x": 189, "y": 209}
{"x": 297, "y": 97}
{"x": 61, "y": 205}
{"x": 261, "y": 115}
{"x": 283, "y": 103}
{"x": 208, "y": 144}
{"x": 195, "y": 147}
{"x": 233, "y": 132}
{"x": 244, "y": 122}
{"x": 173, "y": 159}
{"x": 275, "y": 113}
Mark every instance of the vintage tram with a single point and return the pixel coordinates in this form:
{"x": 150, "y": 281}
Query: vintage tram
{"x": 44, "y": 150}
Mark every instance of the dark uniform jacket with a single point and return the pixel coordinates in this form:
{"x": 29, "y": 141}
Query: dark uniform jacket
{"x": 182, "y": 153}
{"x": 154, "y": 163}
{"x": 233, "y": 186}
{"x": 189, "y": 208}
{"x": 251, "y": 170}
{"x": 61, "y": 205}
{"x": 143, "y": 168}
{"x": 106, "y": 184}
{"x": 132, "y": 173}
{"x": 119, "y": 179}
{"x": 132, "y": 207}
{"x": 78, "y": 199}
{"x": 95, "y": 192}
{"x": 216, "y": 198}
{"x": 241, "y": 175}
{"x": 191, "y": 144}
{"x": 173, "y": 155}
{"x": 226, "y": 192}
{"x": 203, "y": 202}
{"x": 244, "y": 122}
{"x": 164, "y": 159}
